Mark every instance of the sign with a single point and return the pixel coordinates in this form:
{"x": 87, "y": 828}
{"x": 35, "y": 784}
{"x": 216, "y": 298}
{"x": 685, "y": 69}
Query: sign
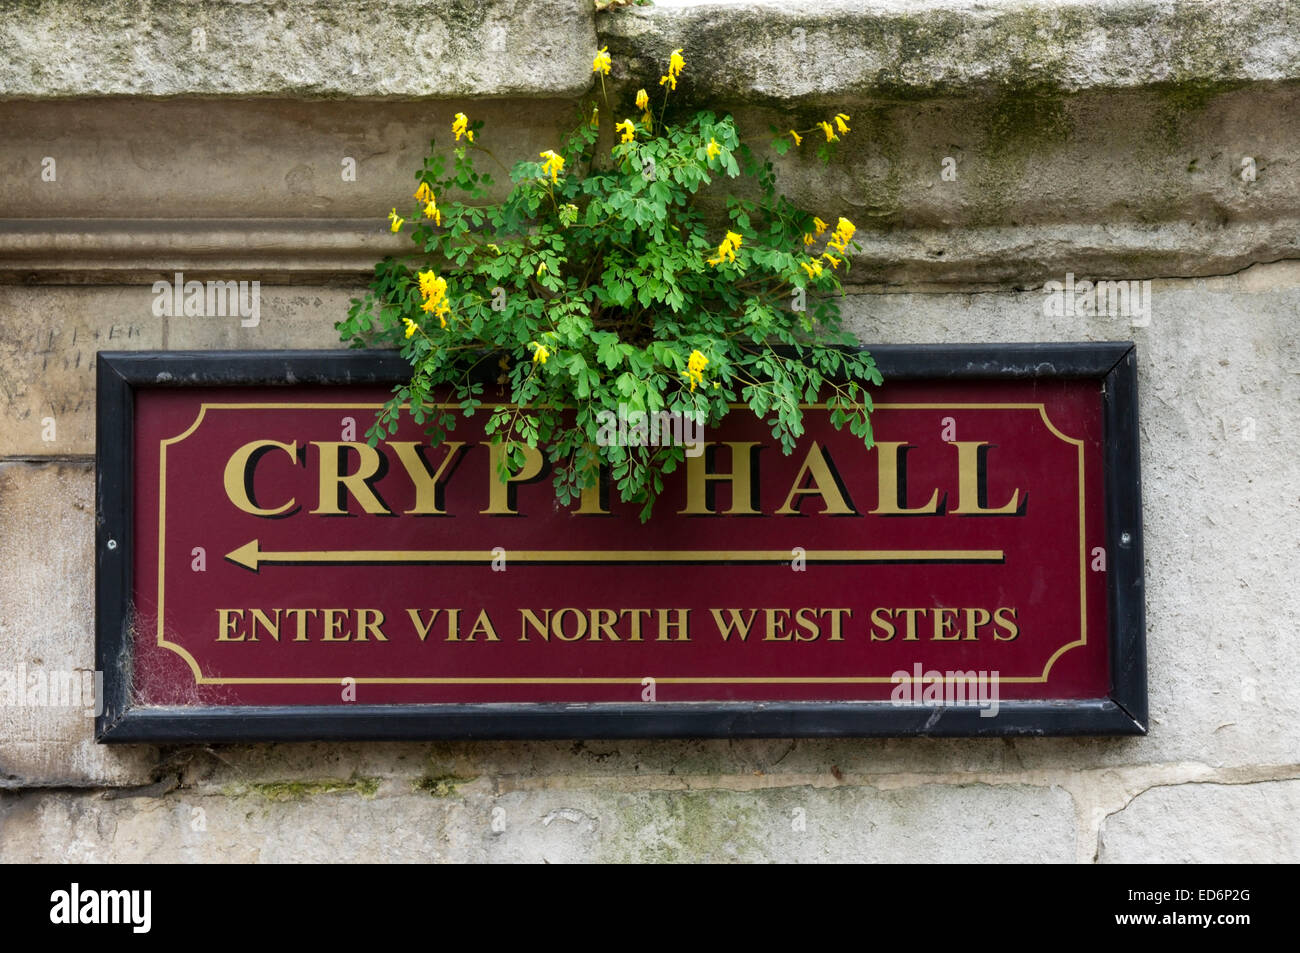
{"x": 263, "y": 573}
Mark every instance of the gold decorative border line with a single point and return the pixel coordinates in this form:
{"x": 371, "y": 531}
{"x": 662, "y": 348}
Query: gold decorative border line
{"x": 201, "y": 679}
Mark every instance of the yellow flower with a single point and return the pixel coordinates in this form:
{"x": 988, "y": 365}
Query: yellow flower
{"x": 647, "y": 121}
{"x": 553, "y": 165}
{"x": 819, "y": 225}
{"x": 411, "y": 326}
{"x": 440, "y": 309}
{"x": 541, "y": 269}
{"x": 814, "y": 268}
{"x": 461, "y": 127}
{"x": 841, "y": 122}
{"x": 713, "y": 148}
{"x": 727, "y": 250}
{"x": 675, "y": 66}
{"x": 434, "y": 290}
{"x": 595, "y": 116}
{"x": 540, "y": 353}
{"x": 428, "y": 282}
{"x": 808, "y": 238}
{"x": 835, "y": 262}
{"x": 629, "y": 130}
{"x": 843, "y": 234}
{"x": 642, "y": 99}
{"x": 601, "y": 63}
{"x": 695, "y": 365}
{"x": 396, "y": 220}
{"x": 798, "y": 139}
{"x": 830, "y": 133}
{"x": 425, "y": 195}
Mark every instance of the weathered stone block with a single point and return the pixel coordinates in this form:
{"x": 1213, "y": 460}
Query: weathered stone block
{"x": 316, "y": 49}
{"x": 1206, "y": 824}
{"x": 47, "y": 367}
{"x": 284, "y": 823}
{"x": 47, "y": 644}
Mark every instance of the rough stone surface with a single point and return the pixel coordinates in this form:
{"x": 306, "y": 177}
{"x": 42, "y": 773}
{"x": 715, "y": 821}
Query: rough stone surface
{"x": 830, "y": 52}
{"x": 47, "y": 634}
{"x": 48, "y": 343}
{"x": 1206, "y": 824}
{"x": 1138, "y": 184}
{"x": 236, "y": 167}
{"x": 467, "y": 822}
{"x": 806, "y": 50}
{"x": 318, "y": 48}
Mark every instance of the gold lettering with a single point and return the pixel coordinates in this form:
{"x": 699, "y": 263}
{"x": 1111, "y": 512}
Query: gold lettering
{"x": 301, "y": 618}
{"x": 975, "y": 618}
{"x": 837, "y": 634}
{"x": 501, "y": 493}
{"x": 227, "y": 621}
{"x": 910, "y": 615}
{"x": 594, "y": 500}
{"x": 637, "y": 615}
{"x": 557, "y": 625}
{"x": 807, "y": 624}
{"x": 335, "y": 625}
{"x": 891, "y": 468}
{"x": 776, "y": 631}
{"x": 428, "y": 486}
{"x": 540, "y": 627}
{"x": 972, "y": 479}
{"x": 272, "y": 628}
{"x": 483, "y": 624}
{"x": 738, "y": 623}
{"x": 1008, "y": 622}
{"x": 239, "y": 475}
{"x": 699, "y": 481}
{"x": 825, "y": 483}
{"x": 942, "y": 624}
{"x": 453, "y": 625}
{"x": 602, "y": 620}
{"x": 335, "y": 486}
{"x": 880, "y": 617}
{"x": 369, "y": 621}
{"x": 422, "y": 629}
{"x": 683, "y": 617}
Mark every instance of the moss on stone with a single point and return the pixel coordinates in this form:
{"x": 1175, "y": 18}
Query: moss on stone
{"x": 444, "y": 785}
{"x": 301, "y": 790}
{"x": 1015, "y": 126}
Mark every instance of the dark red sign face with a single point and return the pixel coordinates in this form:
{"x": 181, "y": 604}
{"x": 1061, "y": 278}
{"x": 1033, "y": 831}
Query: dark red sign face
{"x": 279, "y": 560}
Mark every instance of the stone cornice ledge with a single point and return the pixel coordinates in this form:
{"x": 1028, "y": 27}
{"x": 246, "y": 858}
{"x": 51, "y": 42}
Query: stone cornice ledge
{"x": 829, "y": 52}
{"x": 777, "y": 51}
{"x": 344, "y": 252}
{"x": 307, "y": 49}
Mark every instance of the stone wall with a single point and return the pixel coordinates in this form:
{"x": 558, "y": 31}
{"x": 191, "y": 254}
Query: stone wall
{"x": 1107, "y": 140}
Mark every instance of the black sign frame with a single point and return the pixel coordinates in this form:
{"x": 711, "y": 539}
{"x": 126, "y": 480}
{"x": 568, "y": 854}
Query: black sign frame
{"x": 1123, "y": 711}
